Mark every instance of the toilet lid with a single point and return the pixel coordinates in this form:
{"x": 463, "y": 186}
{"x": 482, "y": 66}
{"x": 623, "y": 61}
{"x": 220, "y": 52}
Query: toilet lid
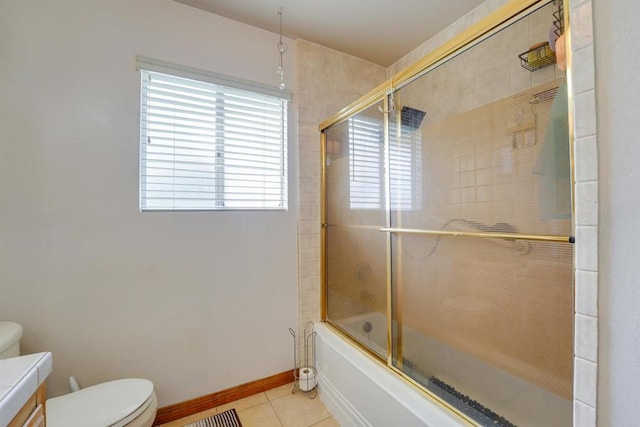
{"x": 101, "y": 405}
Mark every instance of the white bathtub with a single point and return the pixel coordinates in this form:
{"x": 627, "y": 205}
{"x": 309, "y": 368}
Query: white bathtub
{"x": 359, "y": 391}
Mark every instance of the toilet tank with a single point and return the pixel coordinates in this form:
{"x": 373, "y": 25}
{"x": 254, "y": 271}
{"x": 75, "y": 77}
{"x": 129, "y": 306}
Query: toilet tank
{"x": 10, "y": 334}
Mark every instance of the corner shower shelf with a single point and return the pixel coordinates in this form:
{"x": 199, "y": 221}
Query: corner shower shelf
{"x": 537, "y": 57}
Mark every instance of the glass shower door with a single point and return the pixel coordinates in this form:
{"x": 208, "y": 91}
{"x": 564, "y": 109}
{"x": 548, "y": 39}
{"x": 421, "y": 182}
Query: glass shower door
{"x": 356, "y": 250}
{"x": 447, "y": 228}
{"x": 485, "y": 323}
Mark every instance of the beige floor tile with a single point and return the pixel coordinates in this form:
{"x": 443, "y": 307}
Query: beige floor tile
{"x": 274, "y": 408}
{"x": 246, "y": 403}
{"x": 297, "y": 410}
{"x": 191, "y": 418}
{"x": 278, "y": 392}
{"x": 329, "y": 422}
{"x": 259, "y": 416}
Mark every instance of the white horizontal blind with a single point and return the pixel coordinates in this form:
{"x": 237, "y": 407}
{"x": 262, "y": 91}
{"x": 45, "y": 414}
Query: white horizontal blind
{"x": 205, "y": 146}
{"x": 366, "y": 165}
{"x": 406, "y": 167}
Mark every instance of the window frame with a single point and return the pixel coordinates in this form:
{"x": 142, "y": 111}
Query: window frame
{"x": 231, "y": 84}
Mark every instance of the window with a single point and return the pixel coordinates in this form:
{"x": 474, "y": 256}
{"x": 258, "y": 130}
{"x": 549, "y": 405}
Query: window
{"x": 366, "y": 165}
{"x": 210, "y": 146}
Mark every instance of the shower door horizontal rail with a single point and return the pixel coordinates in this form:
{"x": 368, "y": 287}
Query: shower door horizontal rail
{"x": 508, "y": 236}
{"x": 353, "y": 226}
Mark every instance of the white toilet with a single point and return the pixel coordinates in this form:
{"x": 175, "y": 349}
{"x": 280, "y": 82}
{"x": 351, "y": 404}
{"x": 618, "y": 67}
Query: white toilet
{"x": 130, "y": 402}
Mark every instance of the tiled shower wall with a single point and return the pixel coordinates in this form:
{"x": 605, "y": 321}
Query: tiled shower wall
{"x": 586, "y": 215}
{"x": 479, "y": 172}
{"x": 445, "y": 35}
{"x": 471, "y": 80}
{"x": 330, "y": 80}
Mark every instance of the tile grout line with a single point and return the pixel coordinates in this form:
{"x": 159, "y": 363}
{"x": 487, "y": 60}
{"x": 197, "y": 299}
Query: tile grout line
{"x": 274, "y": 411}
{"x": 324, "y": 419}
{"x": 249, "y": 407}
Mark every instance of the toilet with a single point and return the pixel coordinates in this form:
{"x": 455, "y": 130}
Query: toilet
{"x": 128, "y": 402}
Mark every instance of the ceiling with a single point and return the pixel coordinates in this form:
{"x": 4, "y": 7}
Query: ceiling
{"x": 380, "y": 31}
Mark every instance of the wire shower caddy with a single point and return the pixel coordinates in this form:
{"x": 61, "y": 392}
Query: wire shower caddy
{"x": 542, "y": 54}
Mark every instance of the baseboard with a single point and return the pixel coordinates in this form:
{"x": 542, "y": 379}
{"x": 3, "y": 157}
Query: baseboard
{"x": 199, "y": 404}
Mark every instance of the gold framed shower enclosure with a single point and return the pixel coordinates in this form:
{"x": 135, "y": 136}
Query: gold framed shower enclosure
{"x": 411, "y": 239}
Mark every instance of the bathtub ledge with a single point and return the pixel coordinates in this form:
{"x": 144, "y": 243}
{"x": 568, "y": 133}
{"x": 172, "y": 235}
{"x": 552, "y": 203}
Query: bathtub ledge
{"x": 359, "y": 391}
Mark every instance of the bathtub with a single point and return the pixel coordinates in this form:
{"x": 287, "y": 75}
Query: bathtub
{"x": 361, "y": 391}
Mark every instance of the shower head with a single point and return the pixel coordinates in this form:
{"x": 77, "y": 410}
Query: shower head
{"x": 411, "y": 117}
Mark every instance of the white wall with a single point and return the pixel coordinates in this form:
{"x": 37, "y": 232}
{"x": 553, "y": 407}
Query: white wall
{"x": 618, "y": 108}
{"x": 196, "y": 302}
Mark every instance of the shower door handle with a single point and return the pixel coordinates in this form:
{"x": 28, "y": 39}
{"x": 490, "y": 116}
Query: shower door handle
{"x": 508, "y": 236}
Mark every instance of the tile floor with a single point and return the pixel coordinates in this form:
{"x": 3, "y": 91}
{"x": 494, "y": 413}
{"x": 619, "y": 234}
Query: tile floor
{"x": 274, "y": 408}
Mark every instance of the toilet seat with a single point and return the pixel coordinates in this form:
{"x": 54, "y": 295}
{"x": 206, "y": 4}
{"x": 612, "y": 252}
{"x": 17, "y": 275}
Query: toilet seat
{"x": 110, "y": 404}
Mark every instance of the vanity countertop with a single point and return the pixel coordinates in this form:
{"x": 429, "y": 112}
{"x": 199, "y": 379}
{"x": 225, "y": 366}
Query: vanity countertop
{"x": 20, "y": 377}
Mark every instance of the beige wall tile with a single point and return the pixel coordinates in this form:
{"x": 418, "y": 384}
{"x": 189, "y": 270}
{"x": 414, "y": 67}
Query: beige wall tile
{"x": 585, "y": 382}
{"x": 586, "y": 159}
{"x": 586, "y": 248}
{"x": 587, "y": 293}
{"x": 333, "y": 81}
{"x": 585, "y": 114}
{"x": 587, "y": 203}
{"x": 586, "y": 337}
{"x": 581, "y": 25}
{"x": 584, "y": 73}
{"x": 583, "y": 415}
